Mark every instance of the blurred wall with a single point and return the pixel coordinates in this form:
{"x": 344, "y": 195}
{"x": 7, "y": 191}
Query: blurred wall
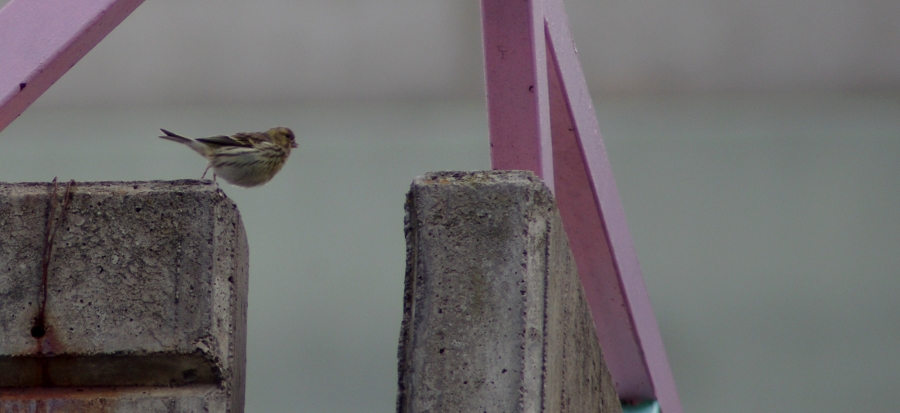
{"x": 287, "y": 50}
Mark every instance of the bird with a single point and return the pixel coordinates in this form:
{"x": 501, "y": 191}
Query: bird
{"x": 245, "y": 159}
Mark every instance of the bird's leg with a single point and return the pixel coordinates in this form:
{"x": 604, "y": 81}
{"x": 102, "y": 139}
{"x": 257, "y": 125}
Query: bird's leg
{"x": 207, "y": 170}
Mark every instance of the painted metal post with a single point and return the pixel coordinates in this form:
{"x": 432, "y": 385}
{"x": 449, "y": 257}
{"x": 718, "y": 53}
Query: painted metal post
{"x": 586, "y": 193}
{"x": 41, "y": 40}
{"x": 515, "y": 65}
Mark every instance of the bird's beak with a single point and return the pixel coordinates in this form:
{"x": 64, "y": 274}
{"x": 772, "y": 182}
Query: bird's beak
{"x": 293, "y": 144}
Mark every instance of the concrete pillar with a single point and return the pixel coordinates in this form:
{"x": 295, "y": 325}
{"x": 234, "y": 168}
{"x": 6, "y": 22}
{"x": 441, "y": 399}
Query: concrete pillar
{"x": 146, "y": 298}
{"x": 495, "y": 319}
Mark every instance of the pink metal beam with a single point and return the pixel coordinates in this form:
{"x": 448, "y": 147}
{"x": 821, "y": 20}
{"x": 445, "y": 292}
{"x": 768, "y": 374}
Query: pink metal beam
{"x": 515, "y": 64}
{"x": 620, "y": 265}
{"x": 41, "y": 40}
{"x": 586, "y": 193}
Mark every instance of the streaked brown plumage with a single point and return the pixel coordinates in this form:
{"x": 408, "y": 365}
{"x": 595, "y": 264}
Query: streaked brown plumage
{"x": 243, "y": 159}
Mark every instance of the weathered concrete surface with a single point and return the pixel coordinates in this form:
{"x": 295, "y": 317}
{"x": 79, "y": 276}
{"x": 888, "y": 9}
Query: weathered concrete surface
{"x": 495, "y": 319}
{"x": 206, "y": 398}
{"x": 146, "y": 287}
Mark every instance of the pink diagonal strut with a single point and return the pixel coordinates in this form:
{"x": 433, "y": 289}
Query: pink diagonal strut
{"x": 588, "y": 201}
{"x": 41, "y": 40}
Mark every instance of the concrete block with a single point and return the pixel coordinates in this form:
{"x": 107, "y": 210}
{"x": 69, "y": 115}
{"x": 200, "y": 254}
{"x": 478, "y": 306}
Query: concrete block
{"x": 146, "y": 298}
{"x": 495, "y": 319}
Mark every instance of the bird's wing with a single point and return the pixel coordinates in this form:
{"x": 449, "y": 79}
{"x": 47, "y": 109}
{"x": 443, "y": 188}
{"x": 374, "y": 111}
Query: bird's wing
{"x": 245, "y": 140}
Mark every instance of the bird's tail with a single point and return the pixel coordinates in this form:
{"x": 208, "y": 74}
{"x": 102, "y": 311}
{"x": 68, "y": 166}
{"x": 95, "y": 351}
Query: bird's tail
{"x": 196, "y": 146}
{"x": 175, "y": 137}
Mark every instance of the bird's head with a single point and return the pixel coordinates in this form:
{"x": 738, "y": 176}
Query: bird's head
{"x": 282, "y": 136}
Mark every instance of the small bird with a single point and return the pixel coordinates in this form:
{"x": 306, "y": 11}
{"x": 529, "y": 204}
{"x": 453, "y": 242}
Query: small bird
{"x": 244, "y": 159}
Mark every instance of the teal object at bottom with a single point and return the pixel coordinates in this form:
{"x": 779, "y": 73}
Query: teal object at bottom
{"x": 651, "y": 406}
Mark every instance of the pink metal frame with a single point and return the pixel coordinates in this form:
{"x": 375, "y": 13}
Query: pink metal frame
{"x": 41, "y": 40}
{"x": 542, "y": 119}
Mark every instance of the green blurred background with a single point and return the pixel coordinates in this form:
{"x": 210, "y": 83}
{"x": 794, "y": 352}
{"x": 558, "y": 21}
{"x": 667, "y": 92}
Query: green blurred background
{"x": 755, "y": 147}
